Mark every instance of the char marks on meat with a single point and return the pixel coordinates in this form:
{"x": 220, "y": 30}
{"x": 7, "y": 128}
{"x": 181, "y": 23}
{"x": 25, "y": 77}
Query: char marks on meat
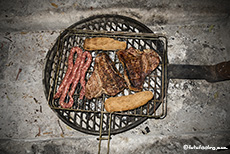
{"x": 105, "y": 78}
{"x": 137, "y": 65}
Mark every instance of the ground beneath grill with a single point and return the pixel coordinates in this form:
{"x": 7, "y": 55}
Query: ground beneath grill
{"x": 198, "y": 111}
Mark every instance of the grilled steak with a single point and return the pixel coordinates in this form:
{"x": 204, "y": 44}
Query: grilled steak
{"x": 105, "y": 78}
{"x": 137, "y": 65}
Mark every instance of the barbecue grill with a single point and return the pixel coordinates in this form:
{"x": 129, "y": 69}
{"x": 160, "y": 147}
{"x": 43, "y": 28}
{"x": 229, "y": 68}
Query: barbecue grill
{"x": 89, "y": 116}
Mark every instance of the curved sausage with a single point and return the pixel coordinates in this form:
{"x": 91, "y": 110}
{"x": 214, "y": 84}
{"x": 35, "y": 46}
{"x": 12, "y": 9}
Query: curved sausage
{"x": 70, "y": 80}
{"x": 76, "y": 79}
{"x": 76, "y": 75}
{"x": 83, "y": 72}
{"x": 67, "y": 74}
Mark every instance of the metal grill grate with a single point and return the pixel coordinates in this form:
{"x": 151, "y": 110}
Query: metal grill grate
{"x": 89, "y": 116}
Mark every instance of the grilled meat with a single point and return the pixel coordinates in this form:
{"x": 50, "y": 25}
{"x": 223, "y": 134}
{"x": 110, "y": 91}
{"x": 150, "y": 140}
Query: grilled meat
{"x": 129, "y": 102}
{"x": 105, "y": 78}
{"x": 103, "y": 43}
{"x": 137, "y": 65}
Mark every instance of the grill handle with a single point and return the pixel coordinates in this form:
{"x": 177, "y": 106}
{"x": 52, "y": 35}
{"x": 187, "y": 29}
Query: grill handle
{"x": 210, "y": 73}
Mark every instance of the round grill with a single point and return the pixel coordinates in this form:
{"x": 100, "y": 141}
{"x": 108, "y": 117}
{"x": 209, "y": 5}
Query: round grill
{"x": 89, "y": 116}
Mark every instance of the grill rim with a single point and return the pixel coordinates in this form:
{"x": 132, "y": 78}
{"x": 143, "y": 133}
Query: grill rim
{"x": 147, "y": 29}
